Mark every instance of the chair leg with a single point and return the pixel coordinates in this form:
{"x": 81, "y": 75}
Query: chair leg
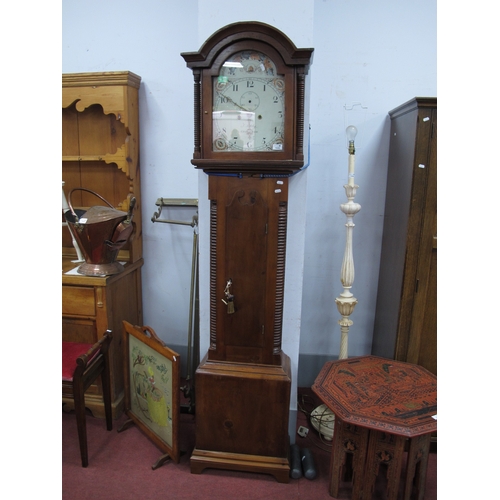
{"x": 79, "y": 400}
{"x": 106, "y": 394}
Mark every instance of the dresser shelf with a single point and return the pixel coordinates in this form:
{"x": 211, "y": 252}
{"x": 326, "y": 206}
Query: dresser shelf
{"x": 100, "y": 152}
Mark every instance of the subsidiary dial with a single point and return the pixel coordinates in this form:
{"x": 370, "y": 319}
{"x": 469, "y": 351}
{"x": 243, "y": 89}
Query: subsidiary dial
{"x": 250, "y": 101}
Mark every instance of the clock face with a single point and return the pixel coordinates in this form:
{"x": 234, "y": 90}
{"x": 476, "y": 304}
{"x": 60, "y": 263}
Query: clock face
{"x": 248, "y": 105}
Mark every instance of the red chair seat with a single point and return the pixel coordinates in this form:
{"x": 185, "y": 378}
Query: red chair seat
{"x": 70, "y": 352}
{"x": 82, "y": 365}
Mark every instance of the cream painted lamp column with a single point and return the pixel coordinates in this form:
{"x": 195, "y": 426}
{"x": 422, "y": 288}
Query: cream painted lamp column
{"x": 346, "y": 302}
{"x": 322, "y": 418}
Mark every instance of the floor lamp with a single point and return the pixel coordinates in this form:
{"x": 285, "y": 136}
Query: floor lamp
{"x": 322, "y": 418}
{"x": 346, "y": 300}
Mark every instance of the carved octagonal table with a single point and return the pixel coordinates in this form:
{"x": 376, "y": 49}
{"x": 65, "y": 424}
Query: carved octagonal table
{"x": 379, "y": 403}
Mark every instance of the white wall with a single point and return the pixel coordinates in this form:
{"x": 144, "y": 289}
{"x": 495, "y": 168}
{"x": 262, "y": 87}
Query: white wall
{"x": 379, "y": 53}
{"x": 117, "y": 35}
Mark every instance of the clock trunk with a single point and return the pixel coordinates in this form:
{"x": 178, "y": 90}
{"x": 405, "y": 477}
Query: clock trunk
{"x": 248, "y": 243}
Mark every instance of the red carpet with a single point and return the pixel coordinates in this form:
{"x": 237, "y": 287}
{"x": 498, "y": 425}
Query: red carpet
{"x": 120, "y": 468}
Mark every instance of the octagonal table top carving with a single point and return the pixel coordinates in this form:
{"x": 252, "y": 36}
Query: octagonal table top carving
{"x": 379, "y": 393}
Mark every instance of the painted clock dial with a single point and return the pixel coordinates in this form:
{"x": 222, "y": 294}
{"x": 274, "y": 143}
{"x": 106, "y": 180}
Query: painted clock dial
{"x": 248, "y": 104}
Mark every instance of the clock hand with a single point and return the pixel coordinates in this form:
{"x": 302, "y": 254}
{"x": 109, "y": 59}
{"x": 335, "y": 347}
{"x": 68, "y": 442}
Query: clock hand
{"x": 230, "y": 100}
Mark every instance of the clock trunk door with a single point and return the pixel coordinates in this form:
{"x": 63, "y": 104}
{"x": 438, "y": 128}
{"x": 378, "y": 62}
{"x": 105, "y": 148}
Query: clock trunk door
{"x": 248, "y": 231}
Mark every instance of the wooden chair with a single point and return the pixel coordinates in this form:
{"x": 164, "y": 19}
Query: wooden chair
{"x": 81, "y": 365}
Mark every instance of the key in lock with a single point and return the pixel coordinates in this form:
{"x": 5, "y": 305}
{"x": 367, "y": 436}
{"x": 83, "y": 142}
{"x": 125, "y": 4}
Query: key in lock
{"x": 229, "y": 300}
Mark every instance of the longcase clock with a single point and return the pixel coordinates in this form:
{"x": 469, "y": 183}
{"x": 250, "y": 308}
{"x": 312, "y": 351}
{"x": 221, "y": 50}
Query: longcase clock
{"x": 249, "y": 88}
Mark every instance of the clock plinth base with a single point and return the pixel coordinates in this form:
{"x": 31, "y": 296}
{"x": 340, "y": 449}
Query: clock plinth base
{"x": 242, "y": 413}
{"x": 203, "y": 459}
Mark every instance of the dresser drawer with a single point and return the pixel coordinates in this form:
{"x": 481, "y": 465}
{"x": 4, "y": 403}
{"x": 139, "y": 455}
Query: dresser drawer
{"x": 78, "y": 300}
{"x": 79, "y": 330}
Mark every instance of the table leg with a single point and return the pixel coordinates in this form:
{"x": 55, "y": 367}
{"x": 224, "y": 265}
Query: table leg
{"x": 418, "y": 456}
{"x": 348, "y": 439}
{"x": 387, "y": 449}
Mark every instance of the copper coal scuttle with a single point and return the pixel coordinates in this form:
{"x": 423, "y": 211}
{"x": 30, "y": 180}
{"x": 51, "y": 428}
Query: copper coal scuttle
{"x": 100, "y": 232}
